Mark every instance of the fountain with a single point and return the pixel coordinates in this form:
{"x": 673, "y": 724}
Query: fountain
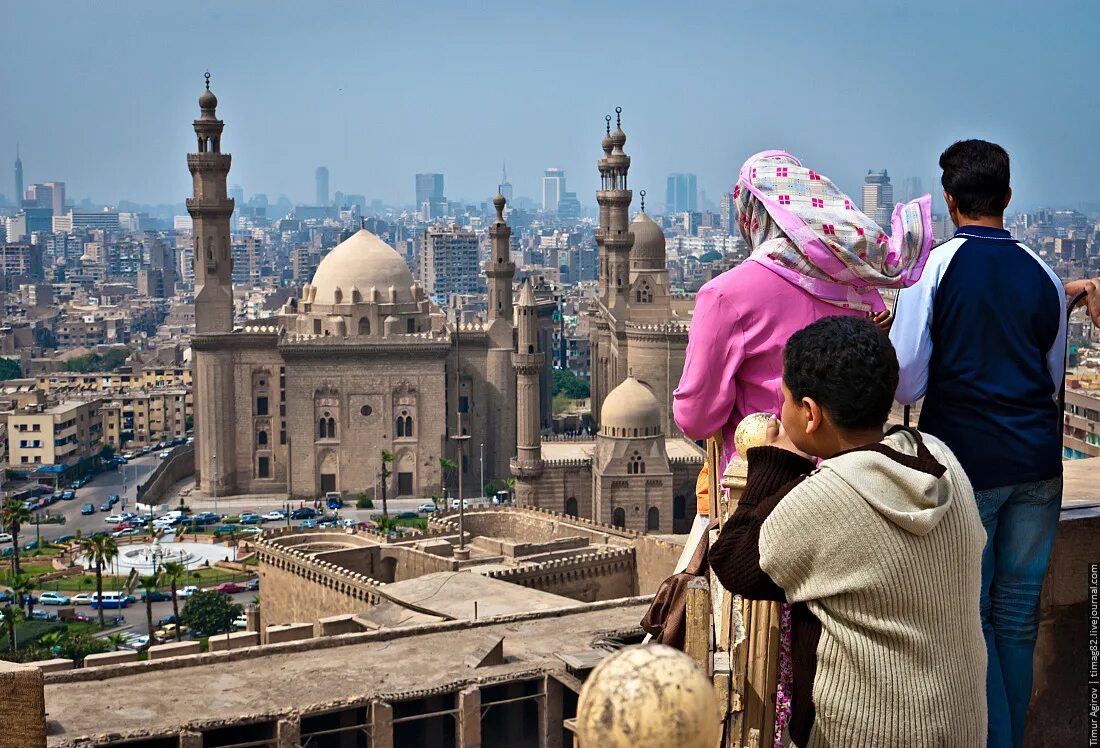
{"x": 147, "y": 557}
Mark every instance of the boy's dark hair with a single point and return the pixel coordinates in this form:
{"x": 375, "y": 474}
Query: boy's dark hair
{"x": 848, "y": 366}
{"x": 976, "y": 174}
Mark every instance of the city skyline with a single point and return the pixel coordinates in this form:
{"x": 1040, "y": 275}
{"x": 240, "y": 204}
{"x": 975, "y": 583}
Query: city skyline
{"x": 374, "y": 131}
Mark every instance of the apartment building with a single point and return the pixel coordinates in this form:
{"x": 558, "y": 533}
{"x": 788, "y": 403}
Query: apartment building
{"x": 1081, "y": 433}
{"x": 149, "y": 377}
{"x": 146, "y": 417}
{"x": 60, "y": 435}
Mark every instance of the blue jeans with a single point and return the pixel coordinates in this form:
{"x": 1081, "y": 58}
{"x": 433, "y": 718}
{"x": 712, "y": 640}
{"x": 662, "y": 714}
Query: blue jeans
{"x": 1020, "y": 522}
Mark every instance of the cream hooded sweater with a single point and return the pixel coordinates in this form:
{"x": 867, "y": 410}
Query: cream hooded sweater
{"x": 888, "y": 558}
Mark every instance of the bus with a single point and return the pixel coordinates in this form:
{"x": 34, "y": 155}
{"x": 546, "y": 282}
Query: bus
{"x": 110, "y": 600}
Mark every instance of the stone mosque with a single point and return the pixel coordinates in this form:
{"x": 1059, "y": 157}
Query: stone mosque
{"x": 363, "y": 361}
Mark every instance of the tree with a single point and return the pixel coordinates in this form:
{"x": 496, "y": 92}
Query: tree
{"x": 9, "y": 369}
{"x": 21, "y": 588}
{"x": 116, "y": 640}
{"x": 13, "y": 516}
{"x": 569, "y": 384}
{"x": 149, "y": 584}
{"x": 387, "y": 524}
{"x": 387, "y": 458}
{"x": 107, "y": 453}
{"x": 12, "y": 615}
{"x": 100, "y": 550}
{"x": 447, "y": 466}
{"x": 173, "y": 573}
{"x": 209, "y": 612}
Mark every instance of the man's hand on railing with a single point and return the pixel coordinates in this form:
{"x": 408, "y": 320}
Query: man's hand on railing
{"x": 1090, "y": 287}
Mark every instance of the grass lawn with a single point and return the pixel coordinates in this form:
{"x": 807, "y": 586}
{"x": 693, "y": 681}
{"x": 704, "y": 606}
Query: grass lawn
{"x": 25, "y": 567}
{"x": 421, "y": 523}
{"x": 206, "y": 576}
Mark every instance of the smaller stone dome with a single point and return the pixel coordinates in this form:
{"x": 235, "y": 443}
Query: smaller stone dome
{"x": 207, "y": 100}
{"x": 649, "y": 239}
{"x": 630, "y": 409}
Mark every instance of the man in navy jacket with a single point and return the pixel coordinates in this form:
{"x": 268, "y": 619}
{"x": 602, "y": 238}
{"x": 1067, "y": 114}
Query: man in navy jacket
{"x": 982, "y": 338}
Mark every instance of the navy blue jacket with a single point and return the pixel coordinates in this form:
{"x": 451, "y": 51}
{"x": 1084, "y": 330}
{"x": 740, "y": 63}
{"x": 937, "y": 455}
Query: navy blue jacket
{"x": 982, "y": 338}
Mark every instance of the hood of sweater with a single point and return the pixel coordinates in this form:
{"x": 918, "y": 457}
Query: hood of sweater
{"x": 903, "y": 478}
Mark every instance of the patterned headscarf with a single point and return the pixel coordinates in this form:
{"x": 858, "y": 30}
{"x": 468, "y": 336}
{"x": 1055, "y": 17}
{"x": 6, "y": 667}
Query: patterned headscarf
{"x": 802, "y": 227}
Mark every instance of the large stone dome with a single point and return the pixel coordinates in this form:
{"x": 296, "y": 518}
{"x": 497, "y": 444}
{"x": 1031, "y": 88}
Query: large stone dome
{"x": 649, "y": 239}
{"x": 630, "y": 410}
{"x": 362, "y": 262}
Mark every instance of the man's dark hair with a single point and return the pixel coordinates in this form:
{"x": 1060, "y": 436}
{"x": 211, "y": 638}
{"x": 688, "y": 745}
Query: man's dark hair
{"x": 848, "y": 366}
{"x": 976, "y": 174}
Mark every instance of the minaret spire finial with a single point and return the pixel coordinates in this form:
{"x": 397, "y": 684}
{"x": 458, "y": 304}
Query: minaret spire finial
{"x": 608, "y": 119}
{"x": 642, "y": 195}
{"x": 618, "y": 116}
{"x": 207, "y": 80}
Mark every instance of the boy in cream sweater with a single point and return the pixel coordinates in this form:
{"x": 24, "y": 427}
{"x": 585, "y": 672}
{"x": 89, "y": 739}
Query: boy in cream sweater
{"x": 878, "y": 551}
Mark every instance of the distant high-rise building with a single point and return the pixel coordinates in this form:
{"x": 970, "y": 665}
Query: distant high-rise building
{"x": 553, "y": 185}
{"x": 237, "y": 193}
{"x": 569, "y": 206}
{"x": 18, "y": 178}
{"x": 878, "y": 197}
{"x": 727, "y": 212}
{"x": 913, "y": 188}
{"x": 448, "y": 262}
{"x": 46, "y": 195}
{"x": 681, "y": 194}
{"x": 505, "y": 186}
{"x": 322, "y": 185}
{"x": 429, "y": 189}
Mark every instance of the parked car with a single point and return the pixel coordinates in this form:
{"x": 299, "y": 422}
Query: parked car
{"x": 252, "y": 519}
{"x": 275, "y": 516}
{"x": 240, "y": 622}
{"x": 43, "y": 615}
{"x": 187, "y": 591}
{"x": 156, "y": 596}
{"x": 308, "y": 524}
{"x": 303, "y": 513}
{"x": 87, "y": 509}
{"x": 408, "y": 515}
{"x": 128, "y": 532}
{"x": 465, "y": 503}
{"x": 166, "y": 454}
{"x": 168, "y": 631}
{"x": 35, "y": 544}
{"x": 131, "y": 455}
{"x": 53, "y": 598}
{"x": 120, "y": 459}
{"x": 165, "y": 620}
{"x": 346, "y": 522}
{"x": 68, "y": 495}
{"x": 5, "y": 537}
{"x": 63, "y": 539}
{"x": 81, "y": 598}
{"x": 334, "y": 500}
{"x": 136, "y": 641}
{"x": 114, "y": 519}
{"x": 230, "y": 588}
{"x": 426, "y": 508}
{"x": 80, "y": 482}
{"x": 106, "y": 506}
{"x": 113, "y": 499}
{"x": 250, "y": 530}
{"x": 6, "y": 596}
{"x": 252, "y": 584}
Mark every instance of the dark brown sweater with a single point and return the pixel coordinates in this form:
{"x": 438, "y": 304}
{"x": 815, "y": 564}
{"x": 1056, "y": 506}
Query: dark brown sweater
{"x": 735, "y": 558}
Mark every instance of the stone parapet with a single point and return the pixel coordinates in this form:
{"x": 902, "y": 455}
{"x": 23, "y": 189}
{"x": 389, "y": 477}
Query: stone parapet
{"x": 175, "y": 649}
{"x": 289, "y": 632}
{"x": 54, "y": 666}
{"x": 233, "y": 640}
{"x": 23, "y": 705}
{"x": 110, "y": 658}
{"x": 353, "y": 584}
{"x": 337, "y": 625}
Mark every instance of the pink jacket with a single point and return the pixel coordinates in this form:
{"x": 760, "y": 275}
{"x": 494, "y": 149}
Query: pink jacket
{"x": 734, "y": 367}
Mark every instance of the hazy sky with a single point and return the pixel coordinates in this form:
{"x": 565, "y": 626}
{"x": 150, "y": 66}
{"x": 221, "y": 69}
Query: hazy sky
{"x": 101, "y": 94}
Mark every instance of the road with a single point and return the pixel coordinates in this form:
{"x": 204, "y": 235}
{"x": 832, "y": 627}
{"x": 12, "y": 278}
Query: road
{"x": 136, "y": 618}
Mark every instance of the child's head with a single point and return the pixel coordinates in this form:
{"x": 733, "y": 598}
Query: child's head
{"x": 839, "y": 379}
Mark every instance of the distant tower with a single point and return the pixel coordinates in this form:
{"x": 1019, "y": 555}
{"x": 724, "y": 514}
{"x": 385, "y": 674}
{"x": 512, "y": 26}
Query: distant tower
{"x": 210, "y": 211}
{"x": 213, "y": 344}
{"x": 527, "y": 361}
{"x": 18, "y": 178}
{"x": 322, "y": 185}
{"x": 878, "y": 197}
{"x": 553, "y": 185}
{"x": 500, "y": 376}
{"x": 505, "y": 186}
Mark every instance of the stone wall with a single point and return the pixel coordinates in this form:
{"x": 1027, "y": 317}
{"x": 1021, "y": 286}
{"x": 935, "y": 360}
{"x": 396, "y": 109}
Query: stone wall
{"x": 169, "y": 472}
{"x": 654, "y": 560}
{"x": 588, "y": 578}
{"x": 24, "y": 706}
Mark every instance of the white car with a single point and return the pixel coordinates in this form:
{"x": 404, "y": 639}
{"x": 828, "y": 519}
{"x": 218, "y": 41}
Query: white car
{"x": 5, "y": 537}
{"x": 114, "y": 519}
{"x": 465, "y": 503}
{"x": 426, "y": 508}
{"x": 187, "y": 591}
{"x": 136, "y": 641}
{"x": 128, "y": 532}
{"x": 274, "y": 516}
{"x": 82, "y": 598}
{"x": 240, "y": 622}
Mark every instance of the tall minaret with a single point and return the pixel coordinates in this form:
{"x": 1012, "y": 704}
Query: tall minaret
{"x": 18, "y": 179}
{"x": 499, "y": 374}
{"x": 501, "y": 270}
{"x": 210, "y": 210}
{"x": 613, "y": 236}
{"x": 527, "y": 361}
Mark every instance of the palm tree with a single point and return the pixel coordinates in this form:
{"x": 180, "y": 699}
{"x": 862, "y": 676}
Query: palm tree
{"x": 101, "y": 550}
{"x": 387, "y": 458}
{"x": 511, "y": 483}
{"x": 21, "y": 588}
{"x": 149, "y": 585}
{"x": 173, "y": 573}
{"x": 14, "y": 515}
{"x": 447, "y": 465}
{"x": 52, "y": 640}
{"x": 116, "y": 640}
{"x": 12, "y": 614}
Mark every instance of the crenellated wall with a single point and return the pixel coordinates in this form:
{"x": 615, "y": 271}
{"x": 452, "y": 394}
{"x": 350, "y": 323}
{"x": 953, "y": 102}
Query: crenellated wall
{"x": 606, "y": 575}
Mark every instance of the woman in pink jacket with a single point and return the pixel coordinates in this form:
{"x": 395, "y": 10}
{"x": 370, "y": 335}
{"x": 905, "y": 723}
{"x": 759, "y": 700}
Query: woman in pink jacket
{"x": 814, "y": 254}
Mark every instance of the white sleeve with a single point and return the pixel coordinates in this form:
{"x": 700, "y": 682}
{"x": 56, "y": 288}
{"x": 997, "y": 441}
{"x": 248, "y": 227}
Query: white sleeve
{"x": 911, "y": 332}
{"x": 1056, "y": 356}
